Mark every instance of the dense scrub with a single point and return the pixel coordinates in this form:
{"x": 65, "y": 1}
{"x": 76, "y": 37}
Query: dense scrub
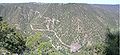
{"x": 14, "y": 42}
{"x": 112, "y": 42}
{"x": 10, "y": 39}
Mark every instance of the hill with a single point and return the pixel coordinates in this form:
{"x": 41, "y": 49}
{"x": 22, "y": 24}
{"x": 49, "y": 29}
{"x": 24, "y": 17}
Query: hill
{"x": 64, "y": 23}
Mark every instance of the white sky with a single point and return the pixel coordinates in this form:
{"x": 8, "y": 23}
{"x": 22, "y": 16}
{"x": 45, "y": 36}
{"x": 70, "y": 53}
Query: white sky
{"x": 64, "y": 1}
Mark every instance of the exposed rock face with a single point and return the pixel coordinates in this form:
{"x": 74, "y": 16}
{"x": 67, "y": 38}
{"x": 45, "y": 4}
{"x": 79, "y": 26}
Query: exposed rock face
{"x": 81, "y": 23}
{"x": 74, "y": 47}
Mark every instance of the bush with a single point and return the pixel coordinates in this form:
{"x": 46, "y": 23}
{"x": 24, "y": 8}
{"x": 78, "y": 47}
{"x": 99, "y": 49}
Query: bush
{"x": 112, "y": 42}
{"x": 11, "y": 39}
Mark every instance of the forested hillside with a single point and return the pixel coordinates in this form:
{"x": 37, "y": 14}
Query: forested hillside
{"x": 60, "y": 29}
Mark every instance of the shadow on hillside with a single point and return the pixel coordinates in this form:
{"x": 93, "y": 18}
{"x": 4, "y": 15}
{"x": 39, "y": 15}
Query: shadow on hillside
{"x": 112, "y": 42}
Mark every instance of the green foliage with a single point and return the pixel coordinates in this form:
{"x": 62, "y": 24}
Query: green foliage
{"x": 112, "y": 42}
{"x": 1, "y": 19}
{"x": 40, "y": 47}
{"x": 96, "y": 48}
{"x": 109, "y": 47}
{"x": 99, "y": 48}
{"x": 37, "y": 45}
{"x": 44, "y": 48}
{"x": 10, "y": 39}
{"x": 56, "y": 53}
{"x": 33, "y": 40}
{"x": 65, "y": 51}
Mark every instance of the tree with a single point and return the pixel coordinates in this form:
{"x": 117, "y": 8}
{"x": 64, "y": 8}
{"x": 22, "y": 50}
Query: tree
{"x": 1, "y": 18}
{"x": 113, "y": 42}
{"x": 11, "y": 39}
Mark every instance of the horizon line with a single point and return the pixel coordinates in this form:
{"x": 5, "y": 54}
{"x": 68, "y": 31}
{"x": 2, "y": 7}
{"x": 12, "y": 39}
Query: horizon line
{"x": 62, "y": 3}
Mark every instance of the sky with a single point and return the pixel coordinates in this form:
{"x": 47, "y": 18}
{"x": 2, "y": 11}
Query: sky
{"x": 64, "y": 1}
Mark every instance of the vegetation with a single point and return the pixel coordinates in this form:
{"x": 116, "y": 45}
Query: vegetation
{"x": 112, "y": 42}
{"x": 13, "y": 41}
{"x": 37, "y": 46}
{"x": 70, "y": 22}
{"x": 10, "y": 39}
